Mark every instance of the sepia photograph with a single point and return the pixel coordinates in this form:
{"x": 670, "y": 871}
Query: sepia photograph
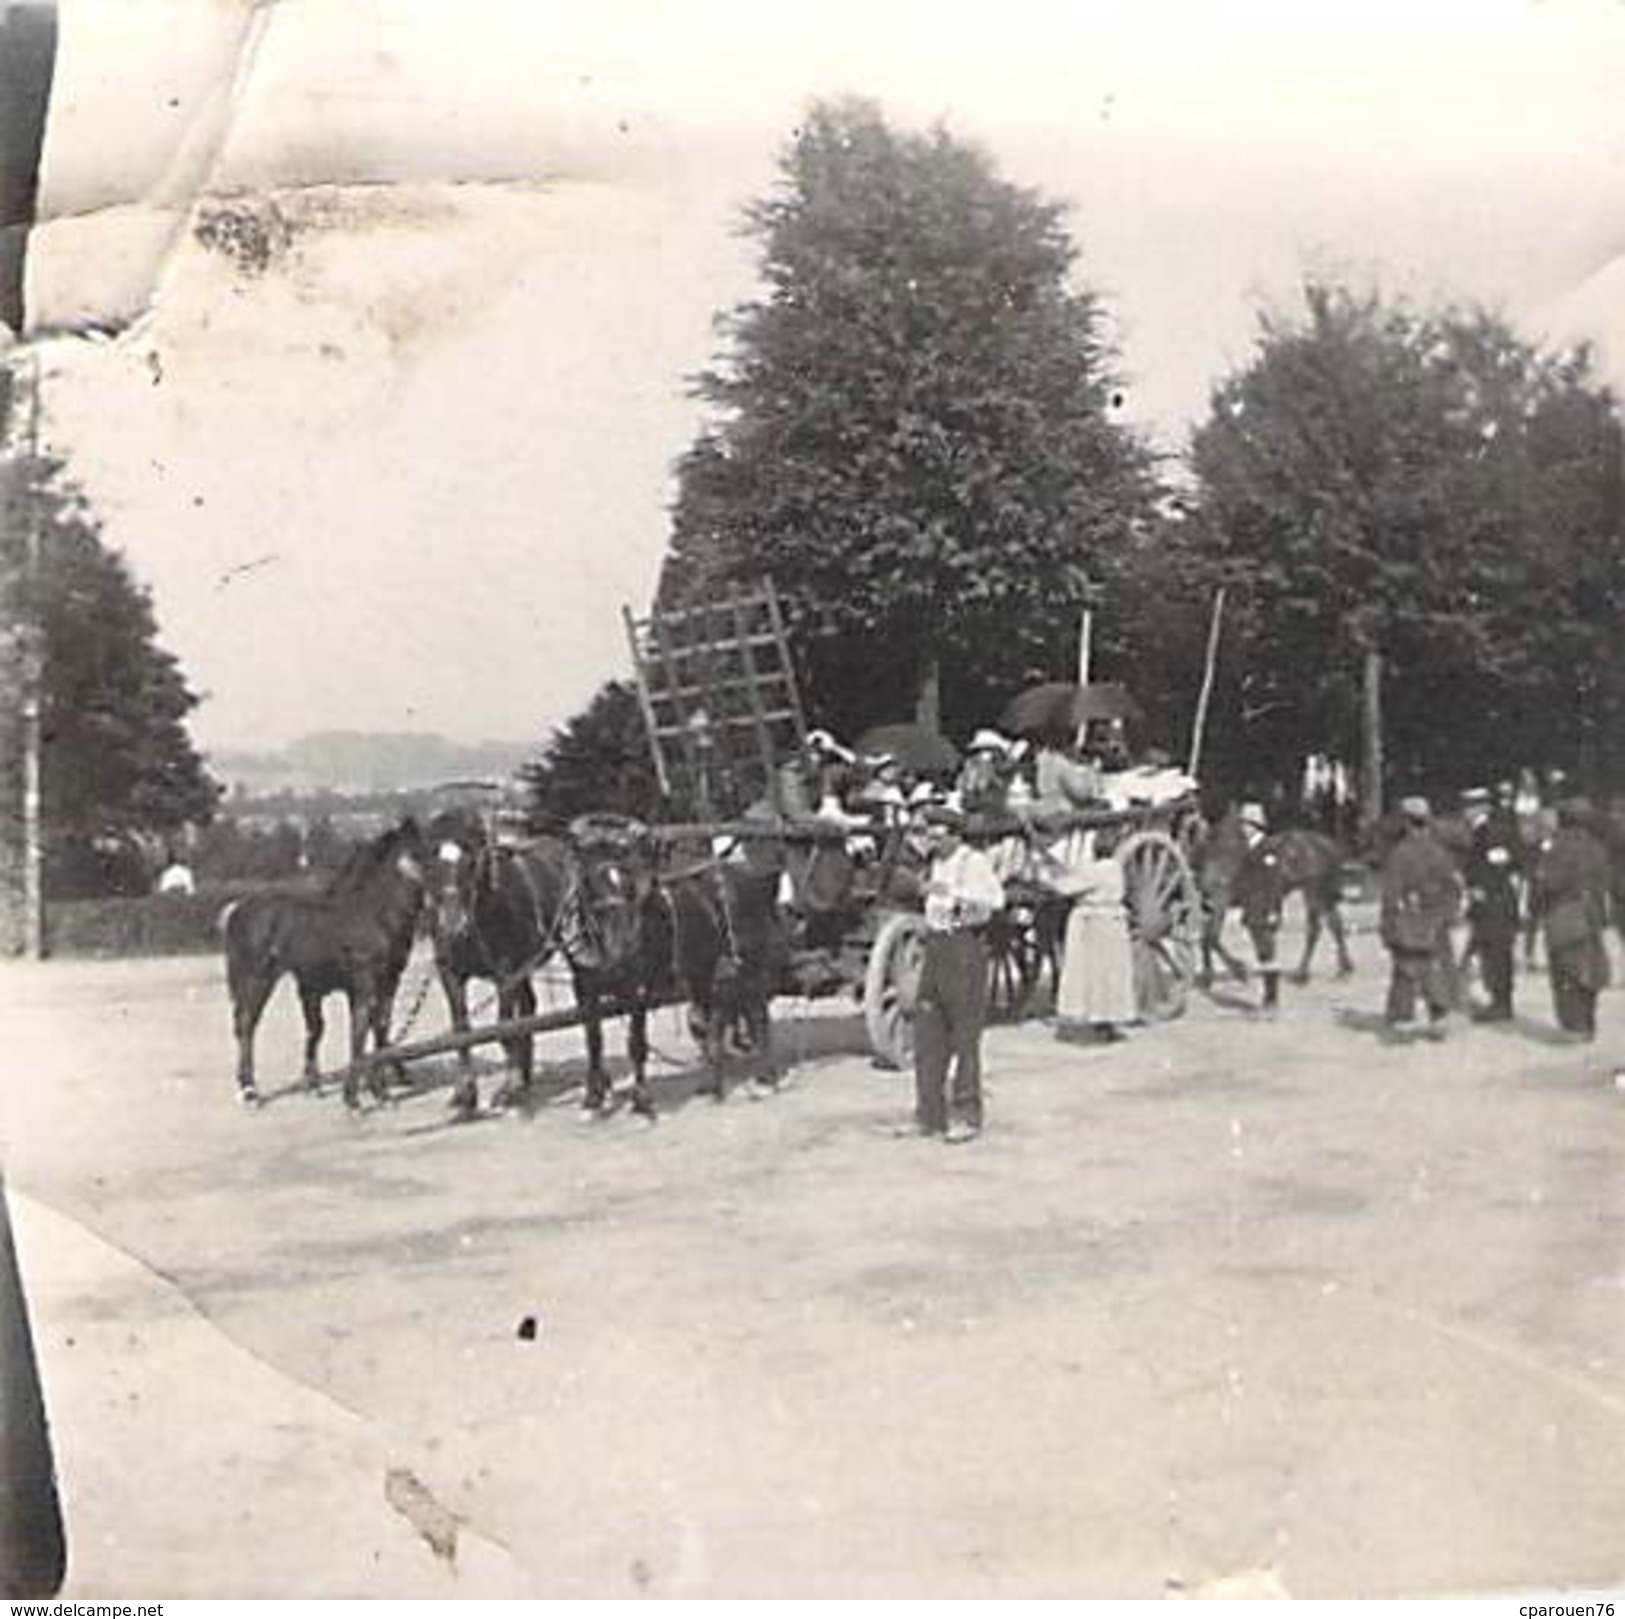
{"x": 812, "y": 801}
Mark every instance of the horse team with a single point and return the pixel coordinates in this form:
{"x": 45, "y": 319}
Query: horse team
{"x": 633, "y": 933}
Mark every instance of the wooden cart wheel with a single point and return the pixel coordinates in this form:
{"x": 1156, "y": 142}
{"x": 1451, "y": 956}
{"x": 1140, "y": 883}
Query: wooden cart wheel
{"x": 1015, "y": 961}
{"x": 891, "y": 985}
{"x": 1165, "y": 922}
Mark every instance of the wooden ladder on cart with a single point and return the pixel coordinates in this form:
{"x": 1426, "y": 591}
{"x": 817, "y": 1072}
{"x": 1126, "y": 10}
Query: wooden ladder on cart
{"x": 717, "y": 687}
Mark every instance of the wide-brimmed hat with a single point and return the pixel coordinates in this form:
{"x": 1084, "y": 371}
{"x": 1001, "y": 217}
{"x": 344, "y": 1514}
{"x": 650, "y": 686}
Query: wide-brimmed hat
{"x": 988, "y": 741}
{"x": 1415, "y": 808}
{"x": 1253, "y": 815}
{"x": 1476, "y": 798}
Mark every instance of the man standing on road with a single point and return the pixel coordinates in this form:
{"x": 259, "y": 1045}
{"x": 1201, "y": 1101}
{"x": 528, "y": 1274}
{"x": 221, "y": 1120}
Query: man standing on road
{"x": 1569, "y": 896}
{"x": 962, "y": 892}
{"x": 1494, "y": 864}
{"x": 1421, "y": 894}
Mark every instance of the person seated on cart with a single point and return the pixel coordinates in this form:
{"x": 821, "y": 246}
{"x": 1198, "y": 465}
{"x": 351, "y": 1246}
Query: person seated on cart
{"x": 984, "y": 779}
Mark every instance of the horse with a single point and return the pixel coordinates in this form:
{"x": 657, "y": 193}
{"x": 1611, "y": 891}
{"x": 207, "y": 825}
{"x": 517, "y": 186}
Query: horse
{"x": 710, "y": 934}
{"x": 354, "y": 937}
{"x": 498, "y": 912}
{"x": 1257, "y": 880}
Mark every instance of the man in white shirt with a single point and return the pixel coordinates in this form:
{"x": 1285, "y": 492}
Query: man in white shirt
{"x": 962, "y": 892}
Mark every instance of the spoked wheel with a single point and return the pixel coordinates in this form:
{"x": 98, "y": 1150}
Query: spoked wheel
{"x": 1165, "y": 922}
{"x": 891, "y": 987}
{"x": 1015, "y": 961}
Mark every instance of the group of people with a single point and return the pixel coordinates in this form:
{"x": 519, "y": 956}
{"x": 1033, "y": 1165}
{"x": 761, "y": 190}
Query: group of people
{"x": 964, "y": 886}
{"x": 1509, "y": 875}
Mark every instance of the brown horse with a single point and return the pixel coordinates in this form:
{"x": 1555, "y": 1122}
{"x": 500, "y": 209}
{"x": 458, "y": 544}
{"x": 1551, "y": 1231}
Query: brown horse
{"x": 352, "y": 939}
{"x": 1257, "y": 880}
{"x": 499, "y": 912}
{"x": 708, "y": 933}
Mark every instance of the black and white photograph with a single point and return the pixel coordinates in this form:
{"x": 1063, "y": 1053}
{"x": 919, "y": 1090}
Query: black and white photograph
{"x": 812, "y": 801}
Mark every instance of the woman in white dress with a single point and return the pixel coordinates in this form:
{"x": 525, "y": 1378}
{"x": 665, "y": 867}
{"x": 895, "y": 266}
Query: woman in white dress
{"x": 1096, "y": 995}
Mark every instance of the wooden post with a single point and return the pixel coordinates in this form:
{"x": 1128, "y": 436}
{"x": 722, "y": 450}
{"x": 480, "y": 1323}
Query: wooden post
{"x": 34, "y": 653}
{"x": 1086, "y": 635}
{"x": 1209, "y": 667}
{"x": 1371, "y": 805}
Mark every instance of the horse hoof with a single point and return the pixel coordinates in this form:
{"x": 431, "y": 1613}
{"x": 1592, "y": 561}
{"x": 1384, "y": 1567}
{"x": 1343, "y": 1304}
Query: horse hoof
{"x": 250, "y": 1097}
{"x": 1300, "y": 979}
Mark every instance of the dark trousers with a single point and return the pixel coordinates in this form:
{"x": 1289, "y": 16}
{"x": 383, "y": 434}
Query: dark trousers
{"x": 1493, "y": 947}
{"x": 948, "y": 1020}
{"x": 1425, "y": 973}
{"x": 1574, "y": 993}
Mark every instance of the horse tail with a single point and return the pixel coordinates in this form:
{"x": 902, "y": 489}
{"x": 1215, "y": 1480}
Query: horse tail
{"x": 222, "y": 922}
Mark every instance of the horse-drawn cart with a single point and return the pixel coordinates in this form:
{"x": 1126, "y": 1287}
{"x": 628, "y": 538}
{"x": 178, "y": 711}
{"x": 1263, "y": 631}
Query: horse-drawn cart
{"x": 717, "y": 689}
{"x": 690, "y": 909}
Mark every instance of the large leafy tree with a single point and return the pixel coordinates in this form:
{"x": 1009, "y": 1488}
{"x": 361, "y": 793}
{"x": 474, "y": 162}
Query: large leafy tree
{"x": 597, "y": 762}
{"x": 117, "y": 765}
{"x": 1431, "y": 487}
{"x": 912, "y": 430}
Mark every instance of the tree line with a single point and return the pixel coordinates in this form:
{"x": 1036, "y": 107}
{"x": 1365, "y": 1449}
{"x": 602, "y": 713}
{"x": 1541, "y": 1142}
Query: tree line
{"x": 914, "y": 430}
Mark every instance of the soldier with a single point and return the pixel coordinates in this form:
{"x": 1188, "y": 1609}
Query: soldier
{"x": 1493, "y": 868}
{"x": 1421, "y": 894}
{"x": 1569, "y": 896}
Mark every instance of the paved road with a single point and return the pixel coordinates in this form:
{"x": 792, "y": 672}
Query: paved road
{"x": 1270, "y": 1303}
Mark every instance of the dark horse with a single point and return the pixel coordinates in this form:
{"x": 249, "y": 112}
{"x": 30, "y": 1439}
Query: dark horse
{"x": 708, "y": 933}
{"x": 500, "y": 911}
{"x": 1257, "y": 880}
{"x": 353, "y": 938}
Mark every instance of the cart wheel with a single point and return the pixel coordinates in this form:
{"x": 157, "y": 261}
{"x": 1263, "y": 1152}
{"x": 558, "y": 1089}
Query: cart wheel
{"x": 1165, "y": 922}
{"x": 891, "y": 985}
{"x": 1015, "y": 962}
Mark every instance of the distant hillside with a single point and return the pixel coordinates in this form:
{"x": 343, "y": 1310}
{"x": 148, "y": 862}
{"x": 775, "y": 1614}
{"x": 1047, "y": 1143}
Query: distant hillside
{"x": 367, "y": 761}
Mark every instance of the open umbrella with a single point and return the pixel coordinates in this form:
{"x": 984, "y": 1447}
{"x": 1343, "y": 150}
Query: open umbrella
{"x": 1059, "y": 707}
{"x": 914, "y": 747}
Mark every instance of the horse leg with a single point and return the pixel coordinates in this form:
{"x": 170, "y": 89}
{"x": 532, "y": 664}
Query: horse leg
{"x": 714, "y": 1048}
{"x": 383, "y": 1014}
{"x": 637, "y": 1048}
{"x": 248, "y": 998}
{"x": 597, "y": 1094}
{"x": 465, "y": 1095}
{"x": 759, "y": 1019}
{"x": 1213, "y": 945}
{"x": 1311, "y": 938}
{"x": 310, "y": 1003}
{"x": 518, "y": 1001}
{"x": 1334, "y": 926}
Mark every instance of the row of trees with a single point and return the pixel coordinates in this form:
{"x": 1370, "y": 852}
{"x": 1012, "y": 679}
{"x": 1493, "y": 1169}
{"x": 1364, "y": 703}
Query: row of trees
{"x": 119, "y": 774}
{"x": 913, "y": 431}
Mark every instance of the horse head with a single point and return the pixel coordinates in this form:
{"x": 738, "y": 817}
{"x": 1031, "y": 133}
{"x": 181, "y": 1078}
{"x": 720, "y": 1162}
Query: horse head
{"x": 458, "y": 853}
{"x": 615, "y": 881}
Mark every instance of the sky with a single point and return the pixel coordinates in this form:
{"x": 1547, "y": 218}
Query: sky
{"x": 405, "y": 475}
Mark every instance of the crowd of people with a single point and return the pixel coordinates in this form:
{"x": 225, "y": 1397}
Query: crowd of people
{"x": 1511, "y": 871}
{"x": 1458, "y": 892}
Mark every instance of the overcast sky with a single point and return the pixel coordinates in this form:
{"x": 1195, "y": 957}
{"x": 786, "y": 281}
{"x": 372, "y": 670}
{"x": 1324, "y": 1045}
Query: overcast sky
{"x": 405, "y": 477}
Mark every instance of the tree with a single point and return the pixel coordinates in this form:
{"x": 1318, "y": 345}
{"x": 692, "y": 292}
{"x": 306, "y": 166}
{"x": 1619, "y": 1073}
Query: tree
{"x": 598, "y": 762}
{"x": 912, "y": 430}
{"x": 1429, "y": 488}
{"x": 117, "y": 765}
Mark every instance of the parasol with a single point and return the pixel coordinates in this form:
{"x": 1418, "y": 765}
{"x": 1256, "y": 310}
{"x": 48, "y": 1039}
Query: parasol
{"x": 1059, "y": 707}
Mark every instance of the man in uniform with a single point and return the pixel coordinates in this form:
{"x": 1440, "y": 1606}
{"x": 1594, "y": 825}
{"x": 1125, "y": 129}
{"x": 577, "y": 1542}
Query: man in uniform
{"x": 962, "y": 892}
{"x": 1421, "y": 895}
{"x": 1493, "y": 867}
